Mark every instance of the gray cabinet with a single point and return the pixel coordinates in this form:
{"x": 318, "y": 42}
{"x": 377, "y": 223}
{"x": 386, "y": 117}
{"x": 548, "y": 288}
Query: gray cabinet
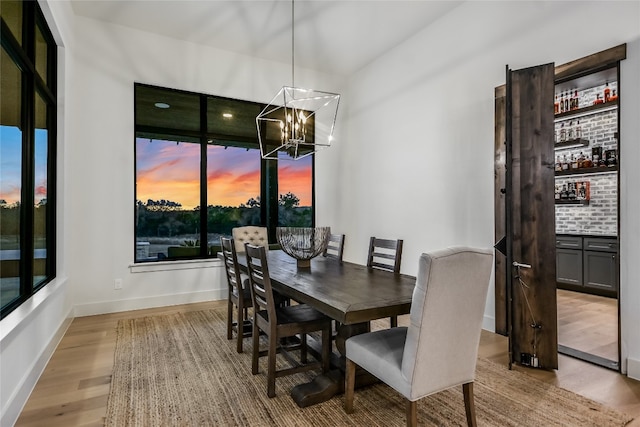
{"x": 587, "y": 264}
{"x": 569, "y": 266}
{"x": 600, "y": 264}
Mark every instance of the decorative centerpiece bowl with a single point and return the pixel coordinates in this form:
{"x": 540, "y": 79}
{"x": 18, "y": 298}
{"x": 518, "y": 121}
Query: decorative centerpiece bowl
{"x": 303, "y": 243}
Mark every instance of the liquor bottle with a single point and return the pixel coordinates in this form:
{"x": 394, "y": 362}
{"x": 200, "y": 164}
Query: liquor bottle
{"x": 572, "y": 191}
{"x": 563, "y": 193}
{"x": 614, "y": 96}
{"x": 578, "y": 132}
{"x": 556, "y": 105}
{"x": 598, "y": 100}
{"x": 607, "y": 93}
{"x": 566, "y": 102}
{"x": 570, "y": 132}
{"x": 581, "y": 160}
{"x": 562, "y": 102}
{"x": 558, "y": 164}
{"x": 565, "y": 163}
{"x": 576, "y": 103}
{"x": 563, "y": 133}
{"x": 557, "y": 192}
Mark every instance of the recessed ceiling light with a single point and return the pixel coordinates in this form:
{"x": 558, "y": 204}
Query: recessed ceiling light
{"x": 227, "y": 115}
{"x": 162, "y": 105}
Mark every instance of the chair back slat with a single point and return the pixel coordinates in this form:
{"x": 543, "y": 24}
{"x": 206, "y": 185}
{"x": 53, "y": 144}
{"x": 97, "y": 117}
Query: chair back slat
{"x": 446, "y": 318}
{"x": 385, "y": 254}
{"x": 231, "y": 266}
{"x": 261, "y": 291}
{"x": 335, "y": 247}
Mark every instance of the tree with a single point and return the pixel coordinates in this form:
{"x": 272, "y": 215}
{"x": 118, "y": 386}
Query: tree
{"x": 289, "y": 200}
{"x": 254, "y": 202}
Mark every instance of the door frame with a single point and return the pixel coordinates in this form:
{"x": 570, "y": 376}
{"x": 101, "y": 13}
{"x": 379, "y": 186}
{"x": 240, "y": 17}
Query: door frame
{"x": 588, "y": 64}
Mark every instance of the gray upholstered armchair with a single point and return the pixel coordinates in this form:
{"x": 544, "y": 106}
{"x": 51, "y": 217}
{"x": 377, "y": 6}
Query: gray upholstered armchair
{"x": 440, "y": 347}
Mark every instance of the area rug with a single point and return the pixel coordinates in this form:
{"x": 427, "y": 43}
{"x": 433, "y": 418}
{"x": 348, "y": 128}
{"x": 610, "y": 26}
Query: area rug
{"x": 180, "y": 370}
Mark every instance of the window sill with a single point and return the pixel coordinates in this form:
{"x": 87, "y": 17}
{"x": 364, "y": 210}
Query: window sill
{"x": 189, "y": 264}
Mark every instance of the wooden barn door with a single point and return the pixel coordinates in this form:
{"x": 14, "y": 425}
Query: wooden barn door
{"x": 526, "y": 189}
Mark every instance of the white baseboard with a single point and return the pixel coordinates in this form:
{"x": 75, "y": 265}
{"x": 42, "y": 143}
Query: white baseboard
{"x": 148, "y": 302}
{"x": 633, "y": 369}
{"x": 21, "y": 394}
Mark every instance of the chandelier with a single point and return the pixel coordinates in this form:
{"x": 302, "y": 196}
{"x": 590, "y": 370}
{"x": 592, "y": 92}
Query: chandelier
{"x": 297, "y": 122}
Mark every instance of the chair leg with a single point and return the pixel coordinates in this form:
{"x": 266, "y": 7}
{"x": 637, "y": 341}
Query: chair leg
{"x": 229, "y": 319}
{"x": 255, "y": 335}
{"x": 469, "y": 406}
{"x": 241, "y": 317}
{"x": 349, "y": 385}
{"x": 394, "y": 321}
{"x": 271, "y": 371}
{"x": 412, "y": 413}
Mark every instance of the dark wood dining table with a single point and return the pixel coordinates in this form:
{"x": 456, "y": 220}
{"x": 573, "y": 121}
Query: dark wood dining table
{"x": 351, "y": 294}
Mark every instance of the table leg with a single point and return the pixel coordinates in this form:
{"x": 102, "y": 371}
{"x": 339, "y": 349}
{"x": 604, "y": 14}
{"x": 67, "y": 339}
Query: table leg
{"x": 325, "y": 386}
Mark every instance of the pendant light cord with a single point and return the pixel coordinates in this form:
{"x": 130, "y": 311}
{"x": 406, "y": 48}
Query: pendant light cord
{"x": 293, "y": 73}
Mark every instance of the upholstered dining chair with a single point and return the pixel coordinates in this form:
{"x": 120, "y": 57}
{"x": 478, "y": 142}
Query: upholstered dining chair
{"x": 239, "y": 294}
{"x": 440, "y": 347}
{"x": 385, "y": 254}
{"x": 281, "y": 322}
{"x": 251, "y": 234}
{"x": 335, "y": 247}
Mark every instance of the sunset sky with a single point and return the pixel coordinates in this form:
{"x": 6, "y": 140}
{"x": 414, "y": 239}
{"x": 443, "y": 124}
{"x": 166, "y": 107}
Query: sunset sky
{"x": 11, "y": 164}
{"x": 170, "y": 171}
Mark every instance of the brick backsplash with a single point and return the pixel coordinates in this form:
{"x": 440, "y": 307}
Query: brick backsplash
{"x": 600, "y": 216}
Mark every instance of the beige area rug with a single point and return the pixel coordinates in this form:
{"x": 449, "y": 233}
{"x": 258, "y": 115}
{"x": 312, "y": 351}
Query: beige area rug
{"x": 180, "y": 370}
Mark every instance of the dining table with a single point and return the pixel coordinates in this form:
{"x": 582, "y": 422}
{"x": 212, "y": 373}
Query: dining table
{"x": 351, "y": 294}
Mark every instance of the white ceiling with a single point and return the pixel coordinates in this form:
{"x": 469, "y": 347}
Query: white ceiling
{"x": 332, "y": 36}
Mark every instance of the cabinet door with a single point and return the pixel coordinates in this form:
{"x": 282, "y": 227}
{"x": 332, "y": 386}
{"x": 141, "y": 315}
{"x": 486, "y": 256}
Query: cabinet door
{"x": 569, "y": 266}
{"x": 600, "y": 270}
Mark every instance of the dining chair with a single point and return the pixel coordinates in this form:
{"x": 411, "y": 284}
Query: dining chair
{"x": 281, "y": 322}
{"x": 250, "y": 234}
{"x": 335, "y": 247}
{"x": 385, "y": 254}
{"x": 439, "y": 348}
{"x": 239, "y": 295}
{"x": 258, "y": 236}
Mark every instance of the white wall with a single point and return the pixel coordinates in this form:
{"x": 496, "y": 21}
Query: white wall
{"x": 630, "y": 208}
{"x": 417, "y": 162}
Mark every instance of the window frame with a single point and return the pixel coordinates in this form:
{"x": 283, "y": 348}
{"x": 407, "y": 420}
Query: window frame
{"x": 268, "y": 171}
{"x": 24, "y": 57}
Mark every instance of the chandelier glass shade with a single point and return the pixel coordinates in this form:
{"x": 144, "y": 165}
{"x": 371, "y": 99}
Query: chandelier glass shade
{"x": 297, "y": 123}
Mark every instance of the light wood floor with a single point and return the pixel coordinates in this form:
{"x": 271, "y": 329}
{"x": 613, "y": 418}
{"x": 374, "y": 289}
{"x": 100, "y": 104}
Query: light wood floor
{"x": 73, "y": 389}
{"x": 588, "y": 323}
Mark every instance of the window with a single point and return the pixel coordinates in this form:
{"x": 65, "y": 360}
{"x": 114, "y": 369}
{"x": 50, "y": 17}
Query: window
{"x": 27, "y": 150}
{"x": 195, "y": 150}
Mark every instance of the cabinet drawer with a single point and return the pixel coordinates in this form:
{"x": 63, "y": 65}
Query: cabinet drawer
{"x": 600, "y": 244}
{"x": 569, "y": 242}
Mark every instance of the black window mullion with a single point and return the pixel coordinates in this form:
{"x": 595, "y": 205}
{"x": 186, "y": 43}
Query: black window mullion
{"x": 204, "y": 243}
{"x": 269, "y": 196}
{"x": 28, "y": 152}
